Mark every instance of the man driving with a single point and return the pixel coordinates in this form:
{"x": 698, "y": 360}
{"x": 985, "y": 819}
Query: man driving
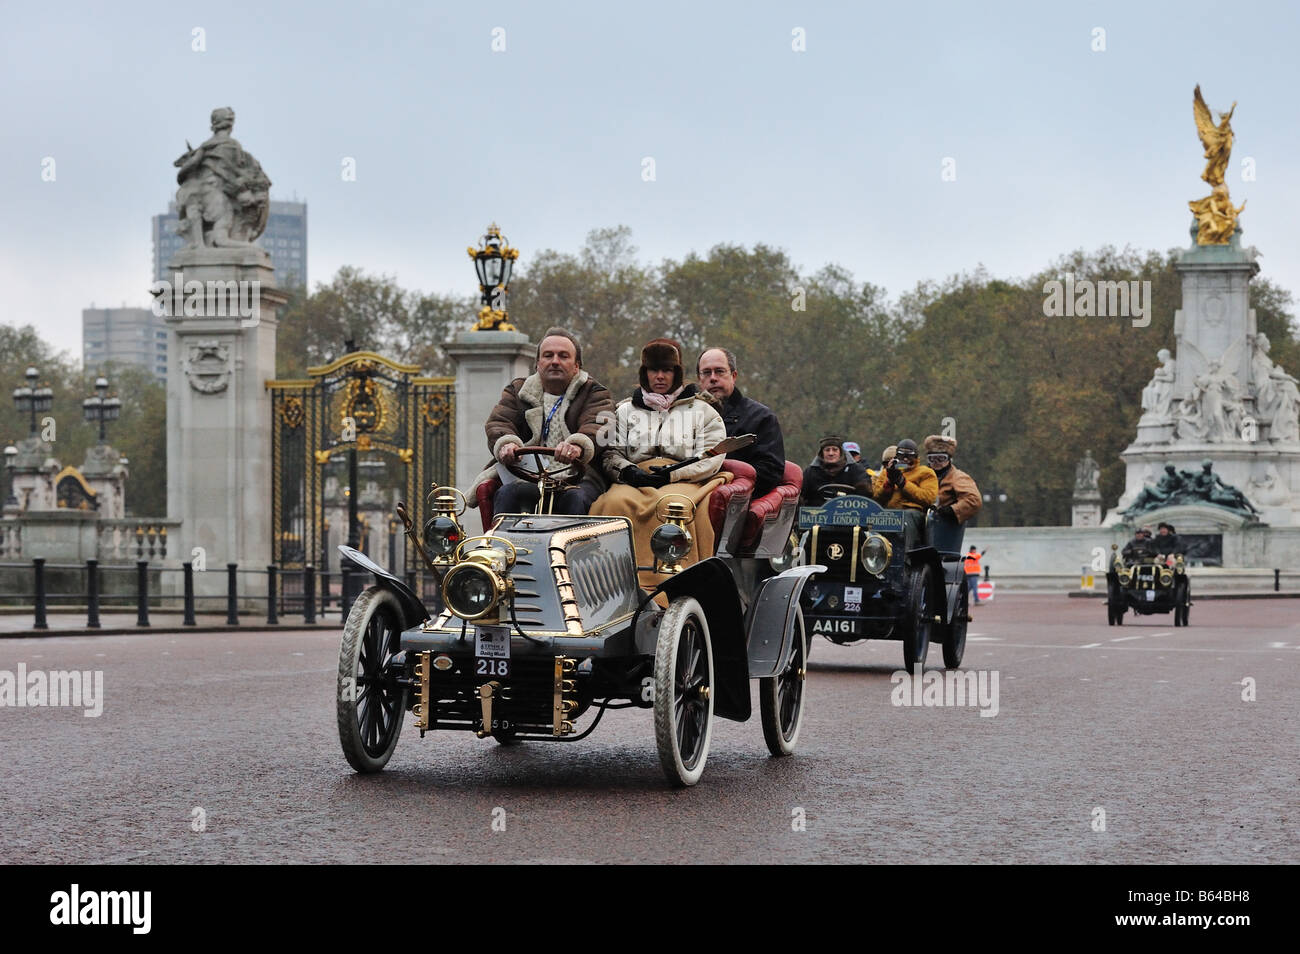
{"x": 558, "y": 406}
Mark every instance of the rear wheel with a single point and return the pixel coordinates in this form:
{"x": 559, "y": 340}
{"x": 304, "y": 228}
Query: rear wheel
{"x": 1112, "y": 602}
{"x": 1183, "y": 608}
{"x": 781, "y": 698}
{"x": 683, "y": 692}
{"x": 920, "y": 619}
{"x": 954, "y": 637}
{"x": 370, "y": 707}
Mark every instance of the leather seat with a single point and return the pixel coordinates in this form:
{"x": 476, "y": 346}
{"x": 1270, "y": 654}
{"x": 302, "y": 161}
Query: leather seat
{"x": 768, "y": 507}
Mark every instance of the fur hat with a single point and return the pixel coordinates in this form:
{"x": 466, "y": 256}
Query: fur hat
{"x": 889, "y": 453}
{"x": 938, "y": 444}
{"x": 830, "y": 441}
{"x": 662, "y": 353}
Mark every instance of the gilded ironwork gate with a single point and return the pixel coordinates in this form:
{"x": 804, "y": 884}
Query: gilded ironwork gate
{"x": 363, "y": 403}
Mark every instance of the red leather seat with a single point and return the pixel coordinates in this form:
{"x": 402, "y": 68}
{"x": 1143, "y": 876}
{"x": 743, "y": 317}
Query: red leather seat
{"x": 742, "y": 482}
{"x": 486, "y": 491}
{"x": 766, "y": 508}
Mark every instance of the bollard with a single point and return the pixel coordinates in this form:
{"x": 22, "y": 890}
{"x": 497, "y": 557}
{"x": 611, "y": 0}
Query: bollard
{"x": 38, "y": 571}
{"x": 309, "y": 594}
{"x": 1277, "y": 580}
{"x": 347, "y": 570}
{"x": 232, "y": 607}
{"x": 986, "y": 573}
{"x": 325, "y": 593}
{"x": 142, "y": 592}
{"x": 189, "y": 595}
{"x": 271, "y": 618}
{"x": 92, "y": 594}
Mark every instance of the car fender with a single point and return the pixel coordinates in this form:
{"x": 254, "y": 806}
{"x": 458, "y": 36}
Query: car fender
{"x": 413, "y": 609}
{"x": 711, "y": 583}
{"x": 771, "y": 623}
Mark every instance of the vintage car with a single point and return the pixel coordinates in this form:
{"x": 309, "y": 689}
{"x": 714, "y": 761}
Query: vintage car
{"x": 888, "y": 576}
{"x": 1148, "y": 583}
{"x": 545, "y": 622}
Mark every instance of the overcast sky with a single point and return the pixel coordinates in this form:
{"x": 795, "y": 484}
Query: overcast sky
{"x": 834, "y": 153}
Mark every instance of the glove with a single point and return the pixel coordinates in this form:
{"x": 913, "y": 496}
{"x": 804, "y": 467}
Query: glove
{"x": 633, "y": 476}
{"x": 658, "y": 479}
{"x": 895, "y": 476}
{"x": 947, "y": 512}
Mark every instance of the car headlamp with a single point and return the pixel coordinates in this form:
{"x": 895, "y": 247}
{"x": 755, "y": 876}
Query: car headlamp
{"x": 1166, "y": 577}
{"x": 1125, "y": 574}
{"x": 472, "y": 591}
{"x": 876, "y": 552}
{"x": 670, "y": 543}
{"x": 441, "y": 537}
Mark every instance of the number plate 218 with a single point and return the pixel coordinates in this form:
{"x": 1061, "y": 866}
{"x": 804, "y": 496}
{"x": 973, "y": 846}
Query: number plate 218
{"x": 492, "y": 647}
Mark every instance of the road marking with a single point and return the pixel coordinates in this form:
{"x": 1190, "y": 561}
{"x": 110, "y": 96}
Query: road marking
{"x": 1154, "y": 635}
{"x": 1123, "y": 639}
{"x": 998, "y": 639}
{"x": 1090, "y": 646}
{"x": 1278, "y": 646}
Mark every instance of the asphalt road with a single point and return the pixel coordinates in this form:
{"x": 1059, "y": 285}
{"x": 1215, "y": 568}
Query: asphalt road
{"x": 1146, "y": 723}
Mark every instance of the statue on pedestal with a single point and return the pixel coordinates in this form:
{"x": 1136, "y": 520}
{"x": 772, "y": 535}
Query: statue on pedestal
{"x": 1215, "y": 215}
{"x": 1087, "y": 475}
{"x": 1211, "y": 412}
{"x": 224, "y": 195}
{"x": 1158, "y": 395}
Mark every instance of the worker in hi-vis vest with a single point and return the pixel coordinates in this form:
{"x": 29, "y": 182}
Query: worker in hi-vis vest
{"x": 972, "y": 566}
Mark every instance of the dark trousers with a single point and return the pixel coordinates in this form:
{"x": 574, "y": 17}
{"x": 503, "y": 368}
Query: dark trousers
{"x": 521, "y": 497}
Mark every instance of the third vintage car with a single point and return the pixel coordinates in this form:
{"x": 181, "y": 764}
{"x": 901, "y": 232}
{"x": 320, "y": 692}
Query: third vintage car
{"x": 1148, "y": 583}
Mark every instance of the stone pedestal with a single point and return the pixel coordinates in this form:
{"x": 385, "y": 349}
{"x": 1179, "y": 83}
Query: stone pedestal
{"x": 1085, "y": 510}
{"x": 1215, "y": 336}
{"x": 486, "y": 361}
{"x": 219, "y": 411}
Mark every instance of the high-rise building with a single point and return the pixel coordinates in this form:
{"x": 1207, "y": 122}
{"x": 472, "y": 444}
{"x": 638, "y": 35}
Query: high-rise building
{"x": 285, "y": 239}
{"x": 125, "y": 336}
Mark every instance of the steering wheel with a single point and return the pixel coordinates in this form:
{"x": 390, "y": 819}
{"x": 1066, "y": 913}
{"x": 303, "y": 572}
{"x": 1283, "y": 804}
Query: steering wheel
{"x": 831, "y": 491}
{"x": 576, "y": 468}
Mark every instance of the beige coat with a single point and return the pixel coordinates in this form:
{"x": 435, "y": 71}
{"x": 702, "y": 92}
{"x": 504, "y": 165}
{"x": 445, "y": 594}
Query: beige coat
{"x": 687, "y": 429}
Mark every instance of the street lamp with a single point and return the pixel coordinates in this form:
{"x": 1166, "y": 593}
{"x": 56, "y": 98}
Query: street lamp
{"x": 11, "y": 459}
{"x": 997, "y": 498}
{"x": 100, "y": 407}
{"x": 494, "y": 259}
{"x": 31, "y": 399}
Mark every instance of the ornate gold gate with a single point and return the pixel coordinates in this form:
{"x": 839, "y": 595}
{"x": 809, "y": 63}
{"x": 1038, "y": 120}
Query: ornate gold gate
{"x": 360, "y": 402}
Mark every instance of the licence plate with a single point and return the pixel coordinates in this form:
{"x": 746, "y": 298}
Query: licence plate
{"x": 1151, "y": 595}
{"x": 492, "y": 647}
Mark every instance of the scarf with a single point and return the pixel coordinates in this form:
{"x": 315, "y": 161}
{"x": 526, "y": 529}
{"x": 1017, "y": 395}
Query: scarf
{"x": 659, "y": 402}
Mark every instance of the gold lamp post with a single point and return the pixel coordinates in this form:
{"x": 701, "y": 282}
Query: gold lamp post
{"x": 493, "y": 260}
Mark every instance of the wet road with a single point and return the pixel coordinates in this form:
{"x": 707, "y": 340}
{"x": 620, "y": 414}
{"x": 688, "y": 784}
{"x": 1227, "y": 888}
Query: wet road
{"x": 234, "y": 734}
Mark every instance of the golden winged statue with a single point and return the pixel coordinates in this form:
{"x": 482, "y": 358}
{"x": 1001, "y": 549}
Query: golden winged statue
{"x": 1215, "y": 215}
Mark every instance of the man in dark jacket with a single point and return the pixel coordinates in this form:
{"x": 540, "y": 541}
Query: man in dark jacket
{"x": 716, "y": 370}
{"x": 560, "y": 406}
{"x": 1166, "y": 541}
{"x": 831, "y": 467}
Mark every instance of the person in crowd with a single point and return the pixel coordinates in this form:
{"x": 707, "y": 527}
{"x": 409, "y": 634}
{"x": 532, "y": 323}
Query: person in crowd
{"x": 717, "y": 375}
{"x": 904, "y": 484}
{"x": 1141, "y": 547}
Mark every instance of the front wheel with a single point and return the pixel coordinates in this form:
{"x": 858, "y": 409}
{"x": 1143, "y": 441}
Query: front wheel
{"x": 370, "y": 706}
{"x": 781, "y": 698}
{"x": 683, "y": 692}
